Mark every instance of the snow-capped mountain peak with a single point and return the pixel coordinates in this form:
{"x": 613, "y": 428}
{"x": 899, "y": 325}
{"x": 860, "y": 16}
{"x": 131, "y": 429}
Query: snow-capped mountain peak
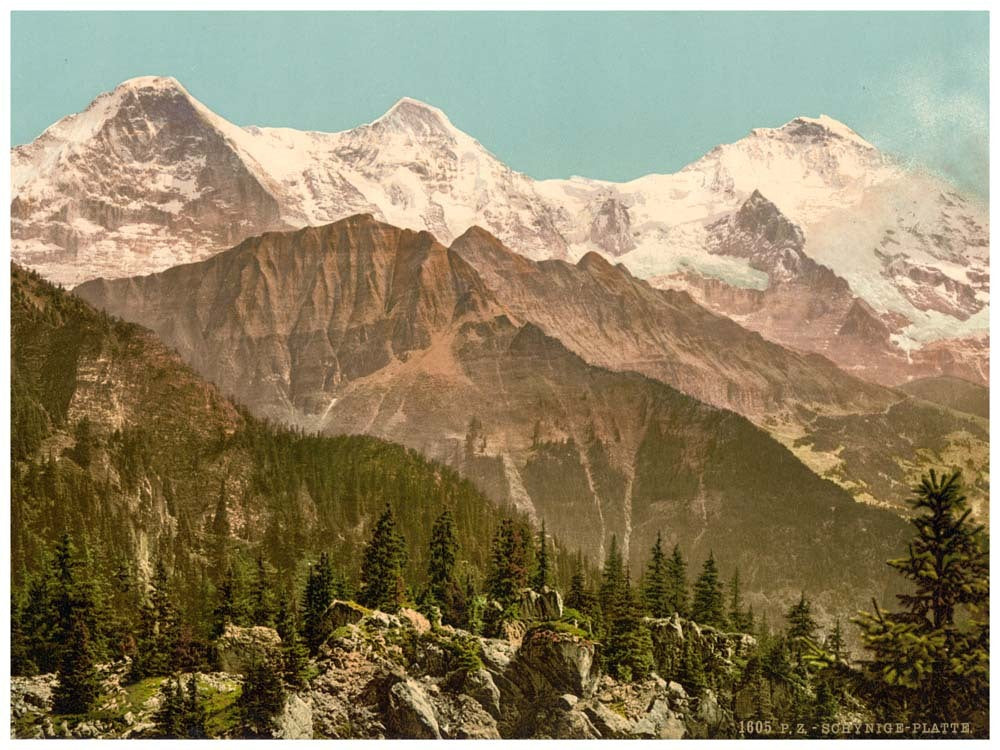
{"x": 415, "y": 118}
{"x": 148, "y": 177}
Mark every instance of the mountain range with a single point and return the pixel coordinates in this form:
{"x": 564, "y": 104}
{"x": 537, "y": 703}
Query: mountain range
{"x": 805, "y": 233}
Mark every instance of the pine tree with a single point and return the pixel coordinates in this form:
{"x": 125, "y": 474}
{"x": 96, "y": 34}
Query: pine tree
{"x": 677, "y": 586}
{"x": 78, "y": 685}
{"x": 824, "y": 709}
{"x": 508, "y": 572}
{"x": 294, "y": 654}
{"x": 541, "y": 577}
{"x": 835, "y": 642}
{"x": 261, "y": 603}
{"x": 691, "y": 673}
{"x": 655, "y": 584}
{"x": 801, "y": 626}
{"x": 930, "y": 660}
{"x": 159, "y": 630}
{"x": 707, "y": 607}
{"x": 319, "y": 592}
{"x": 382, "y": 585}
{"x": 612, "y": 581}
{"x": 231, "y": 603}
{"x": 443, "y": 589}
{"x": 195, "y": 716}
{"x": 740, "y": 620}
{"x": 262, "y": 699}
{"x": 579, "y": 597}
{"x": 169, "y": 718}
{"x": 628, "y": 651}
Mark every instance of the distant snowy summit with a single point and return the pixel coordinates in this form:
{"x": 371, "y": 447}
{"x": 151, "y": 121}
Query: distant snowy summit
{"x": 148, "y": 177}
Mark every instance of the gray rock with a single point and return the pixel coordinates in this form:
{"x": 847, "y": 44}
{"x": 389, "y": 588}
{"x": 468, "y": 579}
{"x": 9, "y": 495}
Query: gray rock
{"x": 659, "y": 723}
{"x": 567, "y": 701}
{"x": 609, "y": 723}
{"x": 541, "y": 606}
{"x": 295, "y": 722}
{"x": 238, "y": 647}
{"x": 410, "y": 713}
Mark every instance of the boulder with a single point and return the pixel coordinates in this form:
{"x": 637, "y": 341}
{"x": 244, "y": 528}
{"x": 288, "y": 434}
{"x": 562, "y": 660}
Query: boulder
{"x": 239, "y": 647}
{"x": 540, "y": 606}
{"x": 420, "y": 623}
{"x": 565, "y": 662}
{"x": 609, "y": 723}
{"x": 341, "y": 613}
{"x": 295, "y": 720}
{"x": 410, "y": 714}
{"x": 659, "y": 723}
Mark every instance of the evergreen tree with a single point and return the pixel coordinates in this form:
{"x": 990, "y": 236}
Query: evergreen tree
{"x": 169, "y": 718}
{"x": 929, "y": 660}
{"x": 541, "y": 576}
{"x": 294, "y": 654}
{"x": 656, "y": 584}
{"x": 677, "y": 586}
{"x": 443, "y": 553}
{"x": 628, "y": 651}
{"x": 159, "y": 630}
{"x": 231, "y": 603}
{"x": 262, "y": 610}
{"x": 262, "y": 699}
{"x": 835, "y": 642}
{"x": 382, "y": 585}
{"x": 443, "y": 589}
{"x": 579, "y": 597}
{"x": 691, "y": 673}
{"x": 318, "y": 594}
{"x": 824, "y": 709}
{"x": 195, "y": 716}
{"x": 78, "y": 685}
{"x": 612, "y": 581}
{"x": 508, "y": 572}
{"x": 740, "y": 620}
{"x": 801, "y": 625}
{"x": 707, "y": 607}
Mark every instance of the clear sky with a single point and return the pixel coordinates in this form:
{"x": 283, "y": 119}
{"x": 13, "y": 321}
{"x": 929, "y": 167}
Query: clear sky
{"x": 605, "y": 95}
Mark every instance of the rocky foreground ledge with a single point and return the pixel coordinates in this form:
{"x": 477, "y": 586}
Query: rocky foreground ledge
{"x": 398, "y": 676}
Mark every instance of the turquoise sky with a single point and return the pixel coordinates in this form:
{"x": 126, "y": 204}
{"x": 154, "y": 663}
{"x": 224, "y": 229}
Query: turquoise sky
{"x": 607, "y": 95}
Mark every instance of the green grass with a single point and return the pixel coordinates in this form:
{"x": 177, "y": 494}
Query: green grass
{"x": 560, "y": 627}
{"x": 221, "y": 712}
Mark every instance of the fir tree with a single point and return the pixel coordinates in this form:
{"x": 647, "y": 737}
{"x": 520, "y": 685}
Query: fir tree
{"x": 930, "y": 661}
{"x": 508, "y": 565}
{"x": 579, "y": 597}
{"x": 195, "y": 717}
{"x": 382, "y": 565}
{"x": 612, "y": 580}
{"x": 541, "y": 577}
{"x": 707, "y": 607}
{"x": 628, "y": 651}
{"x": 824, "y": 708}
{"x": 319, "y": 592}
{"x": 740, "y": 620}
{"x": 691, "y": 673}
{"x": 656, "y": 584}
{"x": 231, "y": 603}
{"x": 169, "y": 718}
{"x": 677, "y": 586}
{"x": 443, "y": 589}
{"x": 835, "y": 642}
{"x": 443, "y": 553}
{"x": 159, "y": 630}
{"x": 800, "y": 621}
{"x": 77, "y": 685}
{"x": 294, "y": 654}
{"x": 262, "y": 610}
{"x": 262, "y": 699}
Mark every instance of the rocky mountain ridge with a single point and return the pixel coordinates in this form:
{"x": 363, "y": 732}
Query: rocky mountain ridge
{"x": 148, "y": 177}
